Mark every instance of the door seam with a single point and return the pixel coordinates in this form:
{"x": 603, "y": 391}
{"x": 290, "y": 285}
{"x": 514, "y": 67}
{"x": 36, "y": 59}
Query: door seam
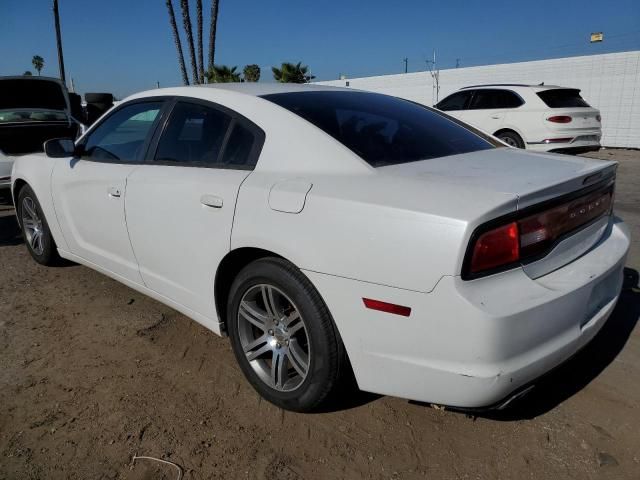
{"x": 126, "y": 224}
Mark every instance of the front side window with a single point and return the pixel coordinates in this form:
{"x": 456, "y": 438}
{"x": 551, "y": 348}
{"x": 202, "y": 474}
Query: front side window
{"x": 454, "y": 102}
{"x": 121, "y": 137}
{"x": 382, "y": 130}
{"x": 194, "y": 135}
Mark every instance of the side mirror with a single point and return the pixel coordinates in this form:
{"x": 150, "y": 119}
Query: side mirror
{"x": 59, "y": 148}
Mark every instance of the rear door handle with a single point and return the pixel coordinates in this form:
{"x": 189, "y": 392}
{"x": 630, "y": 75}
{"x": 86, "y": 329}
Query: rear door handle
{"x": 114, "y": 192}
{"x": 496, "y": 117}
{"x": 211, "y": 201}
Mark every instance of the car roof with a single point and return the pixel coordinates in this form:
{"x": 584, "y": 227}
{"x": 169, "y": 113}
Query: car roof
{"x": 258, "y": 89}
{"x": 538, "y": 87}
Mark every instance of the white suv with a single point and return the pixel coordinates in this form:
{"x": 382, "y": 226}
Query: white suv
{"x": 536, "y": 117}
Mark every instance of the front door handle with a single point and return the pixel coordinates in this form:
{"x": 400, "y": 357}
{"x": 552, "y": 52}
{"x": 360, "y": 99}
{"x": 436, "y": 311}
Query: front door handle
{"x": 114, "y": 192}
{"x": 211, "y": 201}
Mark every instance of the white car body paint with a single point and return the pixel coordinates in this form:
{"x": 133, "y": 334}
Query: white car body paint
{"x": 397, "y": 234}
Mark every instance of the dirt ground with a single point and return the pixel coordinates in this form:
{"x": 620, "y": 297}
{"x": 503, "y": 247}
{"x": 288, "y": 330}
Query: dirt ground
{"x": 93, "y": 373}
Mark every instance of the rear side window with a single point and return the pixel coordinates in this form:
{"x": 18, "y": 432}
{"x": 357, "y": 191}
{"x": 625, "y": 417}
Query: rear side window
{"x": 194, "y": 135}
{"x": 237, "y": 152}
{"x": 563, "y": 98}
{"x": 454, "y": 102}
{"x": 382, "y": 130}
{"x": 493, "y": 99}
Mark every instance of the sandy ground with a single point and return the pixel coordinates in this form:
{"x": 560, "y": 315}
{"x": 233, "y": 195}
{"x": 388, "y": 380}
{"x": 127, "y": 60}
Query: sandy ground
{"x": 92, "y": 373}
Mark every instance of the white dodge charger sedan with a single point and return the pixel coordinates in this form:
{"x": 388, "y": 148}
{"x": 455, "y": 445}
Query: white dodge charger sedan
{"x": 329, "y": 230}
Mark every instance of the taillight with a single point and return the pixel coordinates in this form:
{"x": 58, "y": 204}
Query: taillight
{"x": 532, "y": 236}
{"x": 496, "y": 248}
{"x": 598, "y": 118}
{"x": 559, "y": 119}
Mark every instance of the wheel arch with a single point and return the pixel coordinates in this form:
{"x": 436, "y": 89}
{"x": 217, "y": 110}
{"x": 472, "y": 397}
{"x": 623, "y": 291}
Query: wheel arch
{"x": 17, "y": 186}
{"x": 228, "y": 269}
{"x": 511, "y": 130}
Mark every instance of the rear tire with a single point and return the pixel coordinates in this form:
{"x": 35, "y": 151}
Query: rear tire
{"x": 512, "y": 139}
{"x": 35, "y": 229}
{"x": 283, "y": 336}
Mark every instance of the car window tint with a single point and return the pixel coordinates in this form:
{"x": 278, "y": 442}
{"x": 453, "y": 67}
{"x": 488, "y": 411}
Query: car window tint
{"x": 194, "y": 135}
{"x": 454, "y": 102}
{"x": 238, "y": 148}
{"x": 492, "y": 99}
{"x": 382, "y": 130}
{"x": 563, "y": 98}
{"x": 122, "y": 135}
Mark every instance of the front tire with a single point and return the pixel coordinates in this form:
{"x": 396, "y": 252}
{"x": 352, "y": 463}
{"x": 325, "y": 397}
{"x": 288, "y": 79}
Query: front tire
{"x": 283, "y": 335}
{"x": 35, "y": 229}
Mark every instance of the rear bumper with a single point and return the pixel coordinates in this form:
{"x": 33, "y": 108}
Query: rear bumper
{"x": 581, "y": 142}
{"x": 471, "y": 344}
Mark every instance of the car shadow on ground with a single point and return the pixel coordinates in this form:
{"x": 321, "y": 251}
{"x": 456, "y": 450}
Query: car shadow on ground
{"x": 9, "y": 230}
{"x": 579, "y": 371}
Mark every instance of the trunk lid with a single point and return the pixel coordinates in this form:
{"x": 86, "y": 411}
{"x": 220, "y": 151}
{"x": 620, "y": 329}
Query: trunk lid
{"x": 581, "y": 119}
{"x": 533, "y": 178}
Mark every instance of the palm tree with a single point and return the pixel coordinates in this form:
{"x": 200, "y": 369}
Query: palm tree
{"x": 176, "y": 39}
{"x": 212, "y": 33}
{"x": 199, "y": 41}
{"x": 251, "y": 73}
{"x": 223, "y": 74}
{"x": 292, "y": 73}
{"x": 38, "y": 63}
{"x": 186, "y": 20}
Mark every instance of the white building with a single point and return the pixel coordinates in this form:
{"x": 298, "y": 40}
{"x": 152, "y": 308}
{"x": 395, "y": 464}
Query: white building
{"x": 610, "y": 82}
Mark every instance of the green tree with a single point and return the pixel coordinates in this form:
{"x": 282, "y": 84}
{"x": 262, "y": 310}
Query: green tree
{"x": 223, "y": 74}
{"x": 38, "y": 63}
{"x": 186, "y": 21}
{"x": 292, "y": 73}
{"x": 27, "y": 73}
{"x": 251, "y": 73}
{"x": 176, "y": 39}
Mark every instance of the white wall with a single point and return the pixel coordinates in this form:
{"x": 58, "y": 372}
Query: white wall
{"x": 610, "y": 82}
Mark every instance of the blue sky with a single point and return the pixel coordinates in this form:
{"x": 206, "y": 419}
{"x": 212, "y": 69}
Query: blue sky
{"x": 125, "y": 46}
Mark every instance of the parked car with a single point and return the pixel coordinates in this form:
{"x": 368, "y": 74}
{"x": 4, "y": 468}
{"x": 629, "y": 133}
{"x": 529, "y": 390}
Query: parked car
{"x": 536, "y": 117}
{"x": 32, "y": 110}
{"x": 324, "y": 229}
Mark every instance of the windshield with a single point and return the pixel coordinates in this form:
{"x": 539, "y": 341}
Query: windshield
{"x": 383, "y": 130}
{"x": 29, "y": 100}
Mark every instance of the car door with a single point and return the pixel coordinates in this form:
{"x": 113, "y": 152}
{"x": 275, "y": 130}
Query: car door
{"x": 488, "y": 107}
{"x": 180, "y": 205}
{"x": 89, "y": 190}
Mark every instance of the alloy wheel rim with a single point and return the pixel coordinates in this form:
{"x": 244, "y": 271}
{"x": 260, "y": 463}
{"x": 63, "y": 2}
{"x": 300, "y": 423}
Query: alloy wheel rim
{"x": 510, "y": 141}
{"x": 274, "y": 337}
{"x": 32, "y": 225}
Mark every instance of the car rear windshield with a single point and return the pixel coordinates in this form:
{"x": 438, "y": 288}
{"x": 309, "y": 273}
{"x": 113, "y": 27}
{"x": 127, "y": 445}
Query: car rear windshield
{"x": 563, "y": 98}
{"x": 383, "y": 130}
{"x": 31, "y": 93}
